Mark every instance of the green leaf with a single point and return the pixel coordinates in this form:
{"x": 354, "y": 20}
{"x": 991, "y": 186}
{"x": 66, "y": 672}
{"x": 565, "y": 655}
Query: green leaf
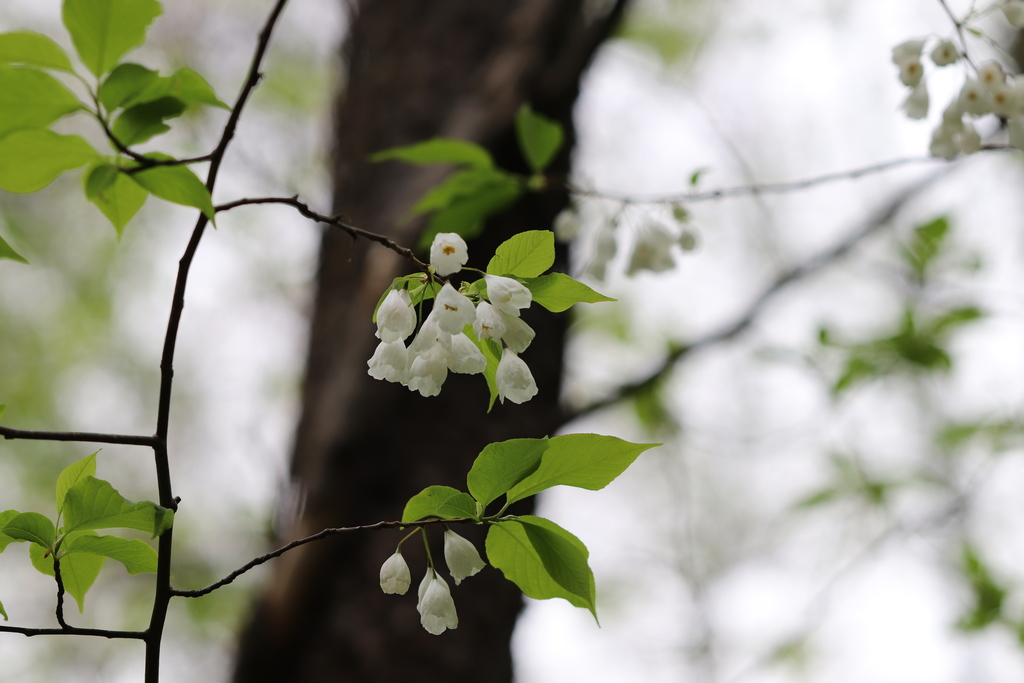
{"x": 492, "y": 353}
{"x": 465, "y": 215}
{"x": 94, "y": 504}
{"x": 191, "y": 88}
{"x": 543, "y": 559}
{"x": 5, "y": 517}
{"x": 989, "y": 596}
{"x": 438, "y": 151}
{"x": 925, "y": 245}
{"x": 953, "y": 319}
{"x": 30, "y": 98}
{"x": 41, "y": 558}
{"x": 6, "y": 251}
{"x": 72, "y": 474}
{"x": 439, "y": 501}
{"x": 3, "y": 612}
{"x": 32, "y": 527}
{"x": 587, "y": 461}
{"x": 527, "y": 254}
{"x": 176, "y": 184}
{"x": 114, "y": 194}
{"x": 124, "y": 84}
{"x": 77, "y": 572}
{"x": 502, "y": 465}
{"x": 540, "y": 138}
{"x": 32, "y": 159}
{"x": 33, "y": 49}
{"x": 104, "y": 30}
{"x": 557, "y": 292}
{"x": 145, "y": 121}
{"x": 136, "y": 556}
{"x": 459, "y": 184}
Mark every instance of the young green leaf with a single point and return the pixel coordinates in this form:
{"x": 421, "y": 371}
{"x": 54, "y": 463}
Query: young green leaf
{"x": 136, "y": 556}
{"x": 6, "y": 251}
{"x": 926, "y": 244}
{"x": 33, "y": 49}
{"x": 142, "y": 122}
{"x": 439, "y": 501}
{"x": 502, "y": 465}
{"x": 587, "y": 461}
{"x": 114, "y": 194}
{"x": 465, "y": 215}
{"x": 94, "y": 504}
{"x": 32, "y": 159}
{"x": 72, "y": 474}
{"x": 32, "y": 527}
{"x": 5, "y": 517}
{"x": 176, "y": 184}
{"x": 557, "y": 292}
{"x": 77, "y": 572}
{"x": 30, "y": 98}
{"x": 526, "y": 254}
{"x": 466, "y": 182}
{"x": 540, "y": 138}
{"x": 124, "y": 84}
{"x": 104, "y": 30}
{"x": 543, "y": 559}
{"x": 438, "y": 151}
{"x": 191, "y": 88}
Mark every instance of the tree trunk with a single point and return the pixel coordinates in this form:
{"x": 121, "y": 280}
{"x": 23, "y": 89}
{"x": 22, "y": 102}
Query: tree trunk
{"x": 415, "y": 69}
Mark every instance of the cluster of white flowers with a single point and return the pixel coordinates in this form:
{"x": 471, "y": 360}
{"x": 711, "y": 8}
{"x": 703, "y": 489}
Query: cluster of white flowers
{"x": 441, "y": 344}
{"x": 435, "y": 604}
{"x": 990, "y": 91}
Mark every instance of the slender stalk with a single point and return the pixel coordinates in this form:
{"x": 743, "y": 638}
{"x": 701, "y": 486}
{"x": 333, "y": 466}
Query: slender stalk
{"x": 82, "y": 437}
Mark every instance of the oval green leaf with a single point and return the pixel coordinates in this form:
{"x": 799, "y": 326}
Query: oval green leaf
{"x": 527, "y": 254}
{"x": 540, "y": 138}
{"x": 32, "y": 527}
{"x": 176, "y": 184}
{"x": 557, "y": 292}
{"x": 502, "y": 465}
{"x": 104, "y": 30}
{"x": 33, "y": 49}
{"x": 30, "y": 98}
{"x": 439, "y": 501}
{"x": 439, "y": 151}
{"x": 137, "y": 556}
{"x": 32, "y": 159}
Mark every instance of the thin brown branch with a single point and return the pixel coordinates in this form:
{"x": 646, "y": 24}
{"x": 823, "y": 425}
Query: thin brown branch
{"x": 144, "y": 161}
{"x": 60, "y": 593}
{"x": 334, "y": 221}
{"x": 83, "y": 437}
{"x": 74, "y": 631}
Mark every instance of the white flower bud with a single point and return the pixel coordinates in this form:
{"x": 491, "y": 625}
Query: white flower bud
{"x": 465, "y": 358}
{"x": 975, "y": 98}
{"x": 506, "y": 294}
{"x": 448, "y": 253}
{"x": 514, "y": 379}
{"x": 911, "y": 72}
{"x": 389, "y": 361}
{"x": 394, "y": 575}
{"x": 991, "y": 74}
{"x": 916, "y": 104}
{"x": 909, "y": 50}
{"x": 452, "y": 311}
{"x": 945, "y": 53}
{"x": 396, "y": 318}
{"x": 1014, "y": 12}
{"x": 461, "y": 556}
{"x": 436, "y": 607}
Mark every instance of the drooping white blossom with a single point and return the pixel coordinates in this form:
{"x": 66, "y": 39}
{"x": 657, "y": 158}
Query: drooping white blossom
{"x": 653, "y": 250}
{"x": 507, "y": 295}
{"x": 428, "y": 358}
{"x": 916, "y": 104}
{"x": 396, "y": 318}
{"x": 911, "y": 72}
{"x": 395, "y": 578}
{"x": 465, "y": 358}
{"x": 489, "y": 323}
{"x": 991, "y": 74}
{"x": 945, "y": 53}
{"x": 514, "y": 379}
{"x": 461, "y": 556}
{"x": 1006, "y": 99}
{"x": 969, "y": 139}
{"x": 566, "y": 225}
{"x": 390, "y": 361}
{"x": 448, "y": 253}
{"x": 1014, "y": 12}
{"x": 975, "y": 98}
{"x": 944, "y": 144}
{"x": 517, "y": 335}
{"x": 452, "y": 311}
{"x": 605, "y": 247}
{"x": 436, "y": 607}
{"x": 908, "y": 50}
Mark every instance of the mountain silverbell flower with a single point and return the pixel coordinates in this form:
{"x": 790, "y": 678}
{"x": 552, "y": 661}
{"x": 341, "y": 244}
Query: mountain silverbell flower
{"x": 514, "y": 379}
{"x": 395, "y": 578}
{"x": 396, "y": 318}
{"x": 1014, "y": 12}
{"x": 517, "y": 335}
{"x": 461, "y": 556}
{"x": 448, "y": 253}
{"x": 916, "y": 104}
{"x": 489, "y": 322}
{"x": 452, "y": 311}
{"x": 465, "y": 358}
{"x": 907, "y": 51}
{"x": 507, "y": 295}
{"x": 389, "y": 361}
{"x": 945, "y": 53}
{"x": 436, "y": 607}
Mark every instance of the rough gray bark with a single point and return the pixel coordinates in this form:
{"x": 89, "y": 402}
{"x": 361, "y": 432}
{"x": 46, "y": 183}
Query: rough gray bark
{"x": 415, "y": 69}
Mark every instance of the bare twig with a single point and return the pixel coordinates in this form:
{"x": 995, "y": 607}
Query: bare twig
{"x": 83, "y": 437}
{"x": 74, "y": 631}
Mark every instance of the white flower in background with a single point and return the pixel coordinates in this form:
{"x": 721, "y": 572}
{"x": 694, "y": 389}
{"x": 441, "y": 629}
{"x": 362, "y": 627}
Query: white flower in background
{"x": 506, "y": 294}
{"x": 514, "y": 379}
{"x": 944, "y": 144}
{"x": 452, "y": 311}
{"x": 566, "y": 225}
{"x": 953, "y": 116}
{"x": 396, "y": 318}
{"x": 975, "y": 98}
{"x": 489, "y": 323}
{"x": 517, "y": 335}
{"x": 395, "y": 578}
{"x": 465, "y": 358}
{"x": 1014, "y": 12}
{"x": 991, "y": 74}
{"x": 1006, "y": 99}
{"x": 907, "y": 51}
{"x": 911, "y": 72}
{"x": 945, "y": 53}
{"x": 461, "y": 556}
{"x": 604, "y": 251}
{"x": 969, "y": 140}
{"x": 448, "y": 253}
{"x": 436, "y": 607}
{"x": 1015, "y": 126}
{"x": 653, "y": 250}
{"x": 389, "y": 361}
{"x": 916, "y": 104}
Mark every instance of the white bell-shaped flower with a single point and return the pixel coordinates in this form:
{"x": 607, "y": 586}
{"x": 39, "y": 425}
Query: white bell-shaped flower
{"x": 908, "y": 50}
{"x": 653, "y": 250}
{"x": 465, "y": 358}
{"x": 506, "y": 294}
{"x": 566, "y": 225}
{"x": 969, "y": 139}
{"x": 945, "y": 53}
{"x": 396, "y": 318}
{"x": 1014, "y": 12}
{"x": 991, "y": 74}
{"x": 911, "y": 72}
{"x": 461, "y": 556}
{"x": 489, "y": 323}
{"x": 1006, "y": 100}
{"x": 517, "y": 335}
{"x": 390, "y": 361}
{"x": 395, "y": 578}
{"x": 452, "y": 311}
{"x": 514, "y": 379}
{"x": 975, "y": 98}
{"x": 436, "y": 607}
{"x": 448, "y": 253}
{"x": 916, "y": 104}
{"x": 428, "y": 358}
